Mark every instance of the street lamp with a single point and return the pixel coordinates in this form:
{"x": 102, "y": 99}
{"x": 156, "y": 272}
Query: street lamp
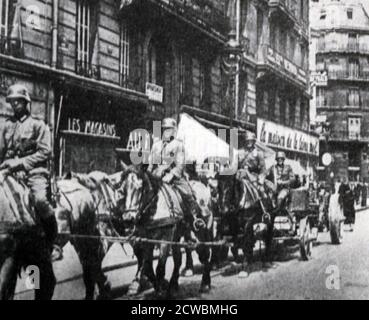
{"x": 231, "y": 57}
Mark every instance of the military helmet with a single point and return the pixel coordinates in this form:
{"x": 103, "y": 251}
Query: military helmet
{"x": 17, "y": 91}
{"x": 169, "y": 123}
{"x": 250, "y": 136}
{"x": 280, "y": 155}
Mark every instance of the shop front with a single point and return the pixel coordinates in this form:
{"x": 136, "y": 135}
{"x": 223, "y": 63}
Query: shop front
{"x": 301, "y": 148}
{"x": 91, "y": 126}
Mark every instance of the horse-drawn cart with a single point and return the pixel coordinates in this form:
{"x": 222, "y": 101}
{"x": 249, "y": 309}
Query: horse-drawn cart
{"x": 298, "y": 222}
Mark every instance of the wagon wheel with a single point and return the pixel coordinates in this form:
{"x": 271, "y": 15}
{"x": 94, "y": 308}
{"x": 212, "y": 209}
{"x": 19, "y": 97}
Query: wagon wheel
{"x": 305, "y": 241}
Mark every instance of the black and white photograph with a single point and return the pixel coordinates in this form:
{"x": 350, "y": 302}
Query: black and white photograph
{"x": 187, "y": 150}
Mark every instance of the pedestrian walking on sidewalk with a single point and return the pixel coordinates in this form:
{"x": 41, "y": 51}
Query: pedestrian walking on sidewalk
{"x": 364, "y": 194}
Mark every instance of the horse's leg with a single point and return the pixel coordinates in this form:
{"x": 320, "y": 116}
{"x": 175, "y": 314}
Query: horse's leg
{"x": 47, "y": 279}
{"x": 234, "y": 231}
{"x": 204, "y": 257}
{"x": 86, "y": 255}
{"x": 177, "y": 259}
{"x": 269, "y": 242}
{"x": 248, "y": 248}
{"x": 160, "y": 269}
{"x": 148, "y": 270}
{"x": 8, "y": 279}
{"x": 188, "y": 272}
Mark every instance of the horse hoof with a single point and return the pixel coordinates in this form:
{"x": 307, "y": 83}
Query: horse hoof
{"x": 243, "y": 274}
{"x": 134, "y": 288}
{"x": 188, "y": 273}
{"x": 105, "y": 291}
{"x": 205, "y": 288}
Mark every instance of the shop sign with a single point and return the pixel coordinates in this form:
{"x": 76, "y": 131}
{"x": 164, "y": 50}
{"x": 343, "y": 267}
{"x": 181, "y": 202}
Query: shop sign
{"x": 278, "y": 60}
{"x": 276, "y": 135}
{"x": 154, "y": 92}
{"x": 139, "y": 140}
{"x": 91, "y": 127}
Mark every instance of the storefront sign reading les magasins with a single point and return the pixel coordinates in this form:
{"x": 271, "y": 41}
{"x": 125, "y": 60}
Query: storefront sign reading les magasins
{"x": 91, "y": 127}
{"x": 275, "y": 135}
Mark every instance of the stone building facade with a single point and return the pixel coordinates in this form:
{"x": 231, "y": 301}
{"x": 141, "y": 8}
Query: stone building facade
{"x": 340, "y": 52}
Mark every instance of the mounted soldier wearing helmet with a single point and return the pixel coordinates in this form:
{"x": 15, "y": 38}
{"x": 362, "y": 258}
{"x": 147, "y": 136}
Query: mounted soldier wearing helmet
{"x": 251, "y": 164}
{"x": 282, "y": 176}
{"x": 167, "y": 162}
{"x": 26, "y": 152}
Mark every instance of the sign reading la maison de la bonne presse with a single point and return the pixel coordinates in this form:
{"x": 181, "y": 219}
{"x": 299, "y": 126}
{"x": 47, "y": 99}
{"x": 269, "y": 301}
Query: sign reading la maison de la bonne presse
{"x": 278, "y": 136}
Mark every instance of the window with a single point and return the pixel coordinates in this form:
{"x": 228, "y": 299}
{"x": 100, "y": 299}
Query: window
{"x": 205, "y": 82}
{"x": 292, "y": 48}
{"x": 83, "y": 35}
{"x": 353, "y": 97}
{"x": 292, "y": 111}
{"x": 323, "y": 14}
{"x": 354, "y": 127}
{"x": 321, "y": 98}
{"x": 4, "y": 16}
{"x": 87, "y": 39}
{"x": 354, "y": 68}
{"x": 302, "y": 114}
{"x": 9, "y": 20}
{"x": 282, "y": 109}
{"x": 352, "y": 41}
{"x": 350, "y": 13}
{"x": 124, "y": 55}
{"x": 185, "y": 78}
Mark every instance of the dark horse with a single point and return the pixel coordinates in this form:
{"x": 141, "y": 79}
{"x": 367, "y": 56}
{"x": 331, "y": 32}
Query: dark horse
{"x": 156, "y": 210}
{"x": 243, "y": 218}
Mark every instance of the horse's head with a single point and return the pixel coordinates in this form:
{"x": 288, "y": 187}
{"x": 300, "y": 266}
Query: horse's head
{"x": 136, "y": 192}
{"x": 227, "y": 193}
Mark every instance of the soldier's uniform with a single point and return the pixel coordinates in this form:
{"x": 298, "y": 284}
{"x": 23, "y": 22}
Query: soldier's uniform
{"x": 25, "y": 150}
{"x": 27, "y": 145}
{"x": 282, "y": 177}
{"x": 168, "y": 158}
{"x": 251, "y": 165}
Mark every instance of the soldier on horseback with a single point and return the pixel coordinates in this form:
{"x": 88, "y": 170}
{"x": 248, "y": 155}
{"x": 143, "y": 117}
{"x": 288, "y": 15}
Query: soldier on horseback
{"x": 251, "y": 164}
{"x": 167, "y": 162}
{"x": 282, "y": 176}
{"x": 27, "y": 150}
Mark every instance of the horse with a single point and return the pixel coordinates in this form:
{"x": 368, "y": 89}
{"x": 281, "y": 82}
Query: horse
{"x": 22, "y": 240}
{"x": 244, "y": 217}
{"x": 157, "y": 212}
{"x": 77, "y": 214}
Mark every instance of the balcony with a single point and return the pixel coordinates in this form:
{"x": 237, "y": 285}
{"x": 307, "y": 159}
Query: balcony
{"x": 11, "y": 47}
{"x": 347, "y": 136}
{"x": 88, "y": 70}
{"x": 282, "y": 66}
{"x": 202, "y": 13}
{"x": 325, "y": 47}
{"x": 348, "y": 76}
{"x": 290, "y": 9}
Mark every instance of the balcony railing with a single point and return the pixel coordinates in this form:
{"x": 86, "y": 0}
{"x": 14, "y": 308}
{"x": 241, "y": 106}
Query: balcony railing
{"x": 201, "y": 12}
{"x": 348, "y": 75}
{"x": 290, "y": 7}
{"x": 10, "y": 46}
{"x": 347, "y": 135}
{"x": 343, "y": 47}
{"x": 279, "y": 62}
{"x": 88, "y": 70}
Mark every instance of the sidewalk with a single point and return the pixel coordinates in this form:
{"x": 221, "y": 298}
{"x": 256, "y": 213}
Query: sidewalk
{"x": 359, "y": 208}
